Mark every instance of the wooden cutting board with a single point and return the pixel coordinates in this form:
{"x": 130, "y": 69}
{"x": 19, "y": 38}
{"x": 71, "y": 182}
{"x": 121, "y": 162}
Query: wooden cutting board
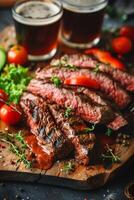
{"x": 81, "y": 177}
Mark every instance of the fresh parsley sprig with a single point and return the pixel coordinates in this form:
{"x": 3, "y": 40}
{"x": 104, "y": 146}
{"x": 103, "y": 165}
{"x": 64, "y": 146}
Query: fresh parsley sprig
{"x": 56, "y": 81}
{"x": 13, "y": 81}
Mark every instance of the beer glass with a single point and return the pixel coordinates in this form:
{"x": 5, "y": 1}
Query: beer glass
{"x": 82, "y": 22}
{"x": 37, "y": 24}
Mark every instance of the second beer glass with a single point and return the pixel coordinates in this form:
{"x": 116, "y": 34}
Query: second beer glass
{"x": 82, "y": 22}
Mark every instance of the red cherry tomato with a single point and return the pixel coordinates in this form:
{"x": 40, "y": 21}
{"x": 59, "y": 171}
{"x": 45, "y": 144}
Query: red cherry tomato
{"x": 122, "y": 45}
{"x": 3, "y": 97}
{"x": 106, "y": 57}
{"x": 17, "y": 55}
{"x": 82, "y": 81}
{"x": 127, "y": 31}
{"x": 10, "y": 114}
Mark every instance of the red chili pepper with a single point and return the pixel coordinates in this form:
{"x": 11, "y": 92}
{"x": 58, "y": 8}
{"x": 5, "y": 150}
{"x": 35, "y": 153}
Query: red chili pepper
{"x": 106, "y": 57}
{"x": 82, "y": 81}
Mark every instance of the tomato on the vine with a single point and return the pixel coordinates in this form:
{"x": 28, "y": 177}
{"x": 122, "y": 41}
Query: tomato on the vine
{"x": 3, "y": 97}
{"x": 17, "y": 55}
{"x": 10, "y": 114}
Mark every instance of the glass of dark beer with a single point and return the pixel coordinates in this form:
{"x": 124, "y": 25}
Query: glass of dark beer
{"x": 37, "y": 24}
{"x": 82, "y": 22}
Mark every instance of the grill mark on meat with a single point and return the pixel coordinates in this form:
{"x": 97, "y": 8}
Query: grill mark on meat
{"x": 84, "y": 61}
{"x": 68, "y": 98}
{"x": 110, "y": 88}
{"x": 118, "y": 122}
{"x": 81, "y": 152}
{"x": 53, "y": 142}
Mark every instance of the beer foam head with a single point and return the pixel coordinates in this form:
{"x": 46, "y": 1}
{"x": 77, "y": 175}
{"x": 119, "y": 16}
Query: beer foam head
{"x": 84, "y": 6}
{"x": 37, "y": 13}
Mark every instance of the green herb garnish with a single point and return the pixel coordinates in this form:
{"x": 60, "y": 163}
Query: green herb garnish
{"x": 20, "y": 138}
{"x": 110, "y": 156}
{"x": 88, "y": 130}
{"x": 109, "y": 132}
{"x": 19, "y": 151}
{"x": 96, "y": 69}
{"x": 57, "y": 82}
{"x": 68, "y": 112}
{"x": 68, "y": 167}
{"x": 13, "y": 81}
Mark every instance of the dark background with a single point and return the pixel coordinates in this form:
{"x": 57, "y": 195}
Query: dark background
{"x": 114, "y": 189}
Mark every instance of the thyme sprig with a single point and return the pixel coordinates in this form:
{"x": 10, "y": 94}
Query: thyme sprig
{"x": 68, "y": 167}
{"x": 19, "y": 151}
{"x": 96, "y": 69}
{"x": 110, "y": 156}
{"x": 68, "y": 112}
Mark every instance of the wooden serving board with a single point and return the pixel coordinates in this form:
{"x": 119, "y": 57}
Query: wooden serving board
{"x": 82, "y": 177}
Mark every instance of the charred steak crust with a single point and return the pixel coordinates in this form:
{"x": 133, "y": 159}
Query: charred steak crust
{"x": 84, "y": 61}
{"x": 42, "y": 125}
{"x": 67, "y": 98}
{"x": 67, "y": 126}
{"x": 110, "y": 88}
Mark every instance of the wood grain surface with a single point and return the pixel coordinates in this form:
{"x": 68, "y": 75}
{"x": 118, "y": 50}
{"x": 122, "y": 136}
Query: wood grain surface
{"x": 82, "y": 177}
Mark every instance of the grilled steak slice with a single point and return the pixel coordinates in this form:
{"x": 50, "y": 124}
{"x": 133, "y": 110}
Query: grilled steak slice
{"x": 118, "y": 122}
{"x": 107, "y": 86}
{"x": 68, "y": 98}
{"x": 41, "y": 124}
{"x": 68, "y": 126}
{"x": 83, "y": 61}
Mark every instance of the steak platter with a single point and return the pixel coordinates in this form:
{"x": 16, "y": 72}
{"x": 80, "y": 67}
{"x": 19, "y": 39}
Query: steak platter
{"x": 77, "y": 136}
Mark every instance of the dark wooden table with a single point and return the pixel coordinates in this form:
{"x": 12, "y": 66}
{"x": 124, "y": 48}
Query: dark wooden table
{"x": 22, "y": 191}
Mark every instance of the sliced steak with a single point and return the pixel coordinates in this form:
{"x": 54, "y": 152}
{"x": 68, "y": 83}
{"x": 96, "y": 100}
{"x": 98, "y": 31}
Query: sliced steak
{"x": 68, "y": 126}
{"x": 84, "y": 61}
{"x": 41, "y": 124}
{"x": 110, "y": 88}
{"x": 67, "y": 98}
{"x": 118, "y": 122}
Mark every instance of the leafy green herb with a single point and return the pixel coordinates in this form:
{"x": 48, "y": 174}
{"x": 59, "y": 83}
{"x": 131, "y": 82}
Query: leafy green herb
{"x": 68, "y": 112}
{"x": 20, "y": 138}
{"x": 63, "y": 62}
{"x": 20, "y": 152}
{"x": 69, "y": 66}
{"x": 96, "y": 69}
{"x": 109, "y": 132}
{"x": 57, "y": 82}
{"x": 13, "y": 81}
{"x": 68, "y": 167}
{"x": 110, "y": 156}
{"x": 88, "y": 130}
